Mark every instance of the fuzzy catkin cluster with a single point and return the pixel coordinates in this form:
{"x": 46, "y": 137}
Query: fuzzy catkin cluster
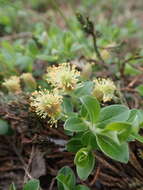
{"x": 64, "y": 77}
{"x": 13, "y": 84}
{"x": 46, "y": 103}
{"x": 104, "y": 89}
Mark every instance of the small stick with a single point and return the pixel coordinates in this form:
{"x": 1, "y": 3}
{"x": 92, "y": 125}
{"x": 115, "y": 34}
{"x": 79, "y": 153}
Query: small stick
{"x": 20, "y": 158}
{"x": 52, "y": 183}
{"x": 95, "y": 176}
{"x": 96, "y": 48}
{"x": 131, "y": 84}
{"x": 30, "y": 160}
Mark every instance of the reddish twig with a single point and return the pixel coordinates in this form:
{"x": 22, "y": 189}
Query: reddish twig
{"x": 95, "y": 176}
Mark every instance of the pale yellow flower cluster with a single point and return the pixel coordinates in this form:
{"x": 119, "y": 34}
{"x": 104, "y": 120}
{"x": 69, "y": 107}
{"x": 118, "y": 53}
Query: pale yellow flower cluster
{"x": 104, "y": 89}
{"x": 47, "y": 104}
{"x": 64, "y": 76}
{"x": 12, "y": 84}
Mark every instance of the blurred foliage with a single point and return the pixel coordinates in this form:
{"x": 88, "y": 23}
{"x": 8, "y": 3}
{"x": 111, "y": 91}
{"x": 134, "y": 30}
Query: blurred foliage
{"x": 54, "y": 34}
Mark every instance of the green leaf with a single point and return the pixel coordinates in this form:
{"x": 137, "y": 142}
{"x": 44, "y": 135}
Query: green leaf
{"x": 81, "y": 157}
{"x": 140, "y": 117}
{"x": 140, "y": 89}
{"x": 92, "y": 106}
{"x": 111, "y": 134}
{"x": 138, "y": 138}
{"x": 66, "y": 179}
{"x": 84, "y": 172}
{"x": 32, "y": 185}
{"x": 50, "y": 58}
{"x": 81, "y": 187}
{"x": 62, "y": 181}
{"x": 113, "y": 113}
{"x": 75, "y": 124}
{"x": 85, "y": 162}
{"x": 113, "y": 150}
{"x": 133, "y": 116}
{"x": 12, "y": 187}
{"x": 68, "y": 40}
{"x": 32, "y": 47}
{"x": 67, "y": 106}
{"x": 74, "y": 145}
{"x": 84, "y": 89}
{"x": 123, "y": 129}
{"x": 130, "y": 70}
{"x": 4, "y": 127}
{"x": 24, "y": 62}
{"x": 84, "y": 114}
{"x": 89, "y": 140}
{"x": 134, "y": 119}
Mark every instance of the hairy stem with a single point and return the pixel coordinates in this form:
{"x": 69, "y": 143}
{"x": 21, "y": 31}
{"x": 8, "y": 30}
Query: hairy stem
{"x": 97, "y": 50}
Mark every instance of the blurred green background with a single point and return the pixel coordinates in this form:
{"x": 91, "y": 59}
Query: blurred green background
{"x": 33, "y": 31}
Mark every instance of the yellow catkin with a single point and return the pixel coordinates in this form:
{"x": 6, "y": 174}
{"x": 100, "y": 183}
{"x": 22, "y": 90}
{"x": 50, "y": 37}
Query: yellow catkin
{"x": 12, "y": 84}
{"x": 104, "y": 89}
{"x": 64, "y": 76}
{"x": 46, "y": 104}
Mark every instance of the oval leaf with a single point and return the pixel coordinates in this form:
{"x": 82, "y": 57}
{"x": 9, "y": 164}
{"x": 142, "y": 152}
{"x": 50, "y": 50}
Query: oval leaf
{"x": 74, "y": 145}
{"x": 66, "y": 178}
{"x": 84, "y": 89}
{"x": 85, "y": 170}
{"x": 67, "y": 106}
{"x": 113, "y": 113}
{"x": 123, "y": 129}
{"x": 92, "y": 106}
{"x": 135, "y": 118}
{"x": 89, "y": 139}
{"x": 75, "y": 124}
{"x": 112, "y": 149}
{"x": 32, "y": 185}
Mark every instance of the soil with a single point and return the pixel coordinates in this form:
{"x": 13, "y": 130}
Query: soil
{"x": 37, "y": 150}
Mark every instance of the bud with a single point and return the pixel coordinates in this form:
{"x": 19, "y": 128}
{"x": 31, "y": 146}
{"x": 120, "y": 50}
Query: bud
{"x": 81, "y": 157}
{"x": 86, "y": 71}
{"x": 29, "y": 81}
{"x": 12, "y": 84}
{"x": 104, "y": 89}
